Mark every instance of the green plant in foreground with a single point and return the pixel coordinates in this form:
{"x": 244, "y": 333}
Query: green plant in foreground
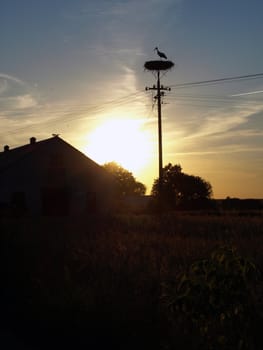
{"x": 213, "y": 301}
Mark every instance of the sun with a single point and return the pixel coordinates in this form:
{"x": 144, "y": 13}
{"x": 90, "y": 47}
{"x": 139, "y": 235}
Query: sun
{"x": 123, "y": 141}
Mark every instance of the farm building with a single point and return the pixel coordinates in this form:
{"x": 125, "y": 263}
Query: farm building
{"x": 51, "y": 177}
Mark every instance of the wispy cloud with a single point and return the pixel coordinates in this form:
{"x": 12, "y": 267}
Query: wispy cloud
{"x": 15, "y": 96}
{"x": 225, "y": 130}
{"x": 18, "y": 102}
{"x": 19, "y": 108}
{"x": 21, "y": 112}
{"x": 221, "y": 121}
{"x": 3, "y": 86}
{"x": 4, "y": 77}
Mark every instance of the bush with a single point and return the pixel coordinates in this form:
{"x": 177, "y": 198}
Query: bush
{"x": 212, "y": 302}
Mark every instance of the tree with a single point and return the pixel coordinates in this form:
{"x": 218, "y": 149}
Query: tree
{"x": 182, "y": 190}
{"x": 126, "y": 183}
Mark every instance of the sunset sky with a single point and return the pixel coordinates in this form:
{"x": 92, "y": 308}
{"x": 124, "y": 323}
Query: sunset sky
{"x": 75, "y": 68}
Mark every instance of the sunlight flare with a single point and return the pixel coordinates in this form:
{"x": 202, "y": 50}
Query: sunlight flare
{"x": 123, "y": 141}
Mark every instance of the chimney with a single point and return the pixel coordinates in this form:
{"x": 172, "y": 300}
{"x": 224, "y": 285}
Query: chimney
{"x": 32, "y": 140}
{"x": 6, "y": 148}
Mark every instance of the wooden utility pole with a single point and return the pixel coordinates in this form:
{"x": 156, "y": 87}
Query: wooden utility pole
{"x": 160, "y": 93}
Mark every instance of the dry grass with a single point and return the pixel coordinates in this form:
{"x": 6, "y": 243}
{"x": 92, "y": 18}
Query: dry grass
{"x": 83, "y": 280}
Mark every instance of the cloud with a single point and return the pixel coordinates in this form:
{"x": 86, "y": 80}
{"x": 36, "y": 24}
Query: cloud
{"x": 222, "y": 120}
{"x": 3, "y": 86}
{"x": 10, "y": 85}
{"x": 16, "y": 97}
{"x": 19, "y": 102}
{"x": 26, "y": 101}
{"x": 5, "y": 77}
{"x": 19, "y": 109}
{"x": 226, "y": 130}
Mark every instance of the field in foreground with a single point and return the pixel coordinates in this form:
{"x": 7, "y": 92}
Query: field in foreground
{"x": 115, "y": 282}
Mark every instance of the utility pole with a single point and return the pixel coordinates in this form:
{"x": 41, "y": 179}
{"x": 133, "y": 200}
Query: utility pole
{"x": 160, "y": 93}
{"x": 156, "y": 67}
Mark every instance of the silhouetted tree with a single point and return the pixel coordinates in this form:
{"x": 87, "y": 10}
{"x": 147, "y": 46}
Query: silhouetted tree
{"x": 126, "y": 183}
{"x": 182, "y": 190}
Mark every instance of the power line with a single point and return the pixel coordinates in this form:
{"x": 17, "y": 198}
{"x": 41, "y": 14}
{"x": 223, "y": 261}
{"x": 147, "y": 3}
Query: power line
{"x": 85, "y": 107}
{"x": 213, "y": 99}
{"x": 67, "y": 112}
{"x": 220, "y": 80}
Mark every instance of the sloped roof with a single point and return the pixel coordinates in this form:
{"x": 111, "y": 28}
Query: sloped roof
{"x": 12, "y": 156}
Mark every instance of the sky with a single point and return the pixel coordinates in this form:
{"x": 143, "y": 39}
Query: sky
{"x": 76, "y": 68}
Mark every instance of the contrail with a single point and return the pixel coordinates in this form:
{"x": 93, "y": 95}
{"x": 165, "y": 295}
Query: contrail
{"x": 248, "y": 93}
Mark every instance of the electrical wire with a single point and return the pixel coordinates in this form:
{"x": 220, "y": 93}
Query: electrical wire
{"x": 211, "y": 100}
{"x": 68, "y": 113}
{"x": 218, "y": 81}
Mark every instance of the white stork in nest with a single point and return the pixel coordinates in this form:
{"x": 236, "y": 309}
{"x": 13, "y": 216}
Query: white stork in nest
{"x": 160, "y": 54}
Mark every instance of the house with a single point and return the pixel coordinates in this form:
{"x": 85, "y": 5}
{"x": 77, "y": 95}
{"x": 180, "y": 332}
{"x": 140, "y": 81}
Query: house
{"x": 51, "y": 177}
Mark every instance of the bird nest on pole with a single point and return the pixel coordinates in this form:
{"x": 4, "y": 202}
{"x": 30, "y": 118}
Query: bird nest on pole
{"x": 158, "y": 65}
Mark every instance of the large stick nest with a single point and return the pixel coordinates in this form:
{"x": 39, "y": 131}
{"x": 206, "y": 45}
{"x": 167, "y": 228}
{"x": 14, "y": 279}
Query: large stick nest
{"x": 158, "y": 65}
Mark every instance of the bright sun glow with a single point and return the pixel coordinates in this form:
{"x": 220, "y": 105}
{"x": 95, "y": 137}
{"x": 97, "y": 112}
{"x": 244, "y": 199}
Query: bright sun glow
{"x": 122, "y": 141}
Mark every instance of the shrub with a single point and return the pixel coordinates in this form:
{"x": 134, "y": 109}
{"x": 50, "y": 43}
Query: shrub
{"x": 212, "y": 302}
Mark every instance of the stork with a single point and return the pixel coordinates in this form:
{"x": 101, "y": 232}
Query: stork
{"x": 161, "y": 54}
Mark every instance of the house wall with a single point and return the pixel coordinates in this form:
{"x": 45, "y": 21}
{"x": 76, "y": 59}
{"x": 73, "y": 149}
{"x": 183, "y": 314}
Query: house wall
{"x": 57, "y": 180}
{"x": 24, "y": 180}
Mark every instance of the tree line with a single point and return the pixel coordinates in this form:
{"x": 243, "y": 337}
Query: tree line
{"x": 177, "y": 190}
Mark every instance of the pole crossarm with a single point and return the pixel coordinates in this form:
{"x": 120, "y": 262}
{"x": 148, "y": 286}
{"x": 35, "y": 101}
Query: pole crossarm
{"x": 162, "y": 88}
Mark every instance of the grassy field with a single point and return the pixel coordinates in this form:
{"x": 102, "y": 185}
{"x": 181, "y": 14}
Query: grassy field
{"x": 74, "y": 282}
